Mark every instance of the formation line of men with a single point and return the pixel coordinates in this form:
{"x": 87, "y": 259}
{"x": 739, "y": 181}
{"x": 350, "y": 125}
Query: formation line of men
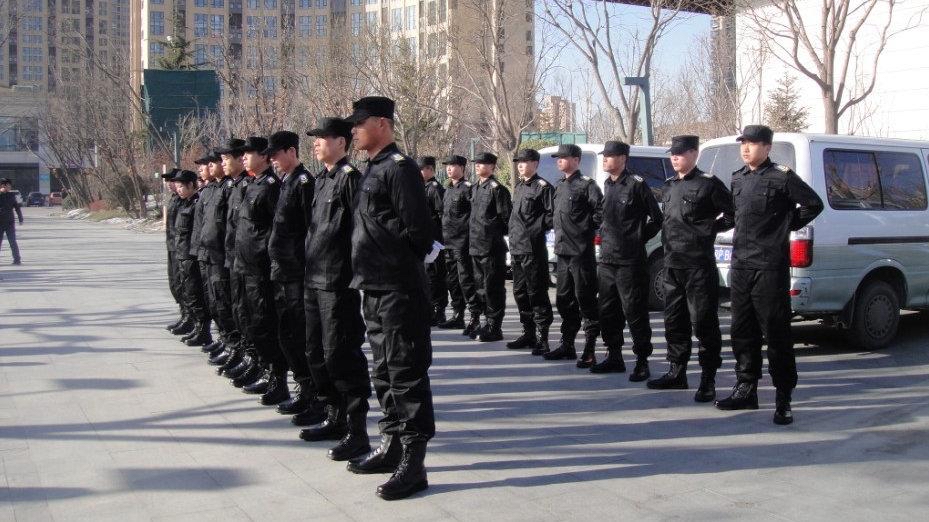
{"x": 296, "y": 268}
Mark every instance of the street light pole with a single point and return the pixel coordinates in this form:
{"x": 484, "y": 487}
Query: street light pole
{"x": 645, "y": 107}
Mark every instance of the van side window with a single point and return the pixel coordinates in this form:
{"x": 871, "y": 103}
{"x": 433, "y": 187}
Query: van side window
{"x": 651, "y": 169}
{"x": 874, "y": 180}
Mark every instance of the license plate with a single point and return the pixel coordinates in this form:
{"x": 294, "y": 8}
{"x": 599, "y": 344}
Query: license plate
{"x": 723, "y": 254}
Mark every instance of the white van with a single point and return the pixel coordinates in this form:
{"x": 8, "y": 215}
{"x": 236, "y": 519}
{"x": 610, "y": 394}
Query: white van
{"x": 652, "y": 163}
{"x": 866, "y": 256}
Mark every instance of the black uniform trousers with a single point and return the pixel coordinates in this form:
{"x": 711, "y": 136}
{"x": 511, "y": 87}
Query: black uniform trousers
{"x": 460, "y": 281}
{"x": 174, "y": 277}
{"x": 761, "y": 310}
{"x": 438, "y": 289}
{"x": 398, "y": 331}
{"x": 258, "y": 306}
{"x": 530, "y": 289}
{"x": 576, "y": 295}
{"x": 623, "y": 298}
{"x": 692, "y": 305}
{"x": 291, "y": 327}
{"x": 191, "y": 284}
{"x": 335, "y": 331}
{"x": 221, "y": 303}
{"x": 490, "y": 281}
{"x": 239, "y": 311}
{"x": 205, "y": 289}
{"x": 9, "y": 230}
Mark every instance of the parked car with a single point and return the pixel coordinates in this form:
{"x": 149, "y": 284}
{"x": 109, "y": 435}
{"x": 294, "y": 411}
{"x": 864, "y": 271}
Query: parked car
{"x": 54, "y": 199}
{"x": 651, "y": 163}
{"x": 866, "y": 256}
{"x": 35, "y": 199}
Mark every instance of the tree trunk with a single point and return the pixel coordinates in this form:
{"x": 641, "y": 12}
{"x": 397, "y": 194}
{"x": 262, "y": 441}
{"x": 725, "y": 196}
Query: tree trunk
{"x": 830, "y": 113}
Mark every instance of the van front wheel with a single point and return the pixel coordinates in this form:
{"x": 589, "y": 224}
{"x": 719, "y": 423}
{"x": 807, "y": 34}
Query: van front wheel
{"x": 656, "y": 284}
{"x": 876, "y": 316}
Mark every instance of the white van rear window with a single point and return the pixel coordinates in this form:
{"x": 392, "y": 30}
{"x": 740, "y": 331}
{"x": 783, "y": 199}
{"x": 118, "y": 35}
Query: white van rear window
{"x": 874, "y": 180}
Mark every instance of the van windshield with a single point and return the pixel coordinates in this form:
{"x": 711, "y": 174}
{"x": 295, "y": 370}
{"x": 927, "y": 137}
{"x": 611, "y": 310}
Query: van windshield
{"x": 723, "y": 160}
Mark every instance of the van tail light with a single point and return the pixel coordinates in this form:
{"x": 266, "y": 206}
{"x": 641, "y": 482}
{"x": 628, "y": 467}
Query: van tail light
{"x": 801, "y": 248}
{"x": 597, "y": 239}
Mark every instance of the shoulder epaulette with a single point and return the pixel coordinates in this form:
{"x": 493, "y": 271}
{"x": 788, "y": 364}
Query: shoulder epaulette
{"x": 587, "y": 178}
{"x": 271, "y": 180}
{"x": 346, "y": 168}
{"x": 398, "y": 158}
{"x": 304, "y": 179}
{"x": 707, "y": 175}
{"x": 542, "y": 182}
{"x": 228, "y": 183}
{"x": 783, "y": 168}
{"x": 467, "y": 183}
{"x": 637, "y": 178}
{"x": 494, "y": 184}
{"x": 433, "y": 182}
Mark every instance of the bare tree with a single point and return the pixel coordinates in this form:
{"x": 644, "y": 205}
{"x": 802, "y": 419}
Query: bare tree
{"x": 10, "y": 16}
{"x": 823, "y": 46}
{"x": 613, "y": 51}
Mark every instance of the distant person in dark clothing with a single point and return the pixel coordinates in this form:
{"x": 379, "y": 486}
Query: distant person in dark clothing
{"x": 8, "y": 204}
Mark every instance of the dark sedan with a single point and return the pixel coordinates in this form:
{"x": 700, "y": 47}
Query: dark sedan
{"x": 35, "y": 199}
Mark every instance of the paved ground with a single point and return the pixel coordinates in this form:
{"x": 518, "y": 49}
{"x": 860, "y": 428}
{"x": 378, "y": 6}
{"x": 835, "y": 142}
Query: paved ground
{"x": 104, "y": 415}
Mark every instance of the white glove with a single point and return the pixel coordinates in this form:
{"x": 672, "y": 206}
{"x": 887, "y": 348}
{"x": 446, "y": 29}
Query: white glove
{"x": 432, "y": 256}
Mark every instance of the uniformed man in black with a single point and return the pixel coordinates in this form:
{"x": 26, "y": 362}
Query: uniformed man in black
{"x": 491, "y": 206}
{"x": 184, "y": 325}
{"x": 390, "y": 240}
{"x": 213, "y": 248}
{"x": 190, "y": 279}
{"x": 436, "y": 269}
{"x": 201, "y": 336}
{"x": 531, "y": 219}
{"x": 578, "y": 212}
{"x": 335, "y": 328}
{"x": 456, "y": 214}
{"x": 631, "y": 217}
{"x": 770, "y": 201}
{"x": 237, "y": 362}
{"x": 286, "y": 252}
{"x": 256, "y": 219}
{"x": 697, "y": 206}
{"x": 8, "y": 205}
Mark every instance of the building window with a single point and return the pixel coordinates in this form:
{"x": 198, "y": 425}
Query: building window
{"x": 32, "y": 73}
{"x": 410, "y": 17}
{"x": 356, "y": 23}
{"x": 199, "y": 25}
{"x": 270, "y": 29}
{"x": 396, "y": 19}
{"x": 322, "y": 3}
{"x": 32, "y": 23}
{"x": 32, "y": 55}
{"x": 102, "y": 9}
{"x": 306, "y": 4}
{"x": 156, "y": 2}
{"x": 217, "y": 3}
{"x": 200, "y": 3}
{"x": 431, "y": 11}
{"x": 156, "y": 49}
{"x": 216, "y": 25}
{"x": 270, "y": 4}
{"x": 269, "y": 84}
{"x": 441, "y": 11}
{"x": 304, "y": 28}
{"x": 31, "y": 39}
{"x": 199, "y": 54}
{"x": 156, "y": 23}
{"x": 372, "y": 20}
{"x": 216, "y": 55}
{"x": 33, "y": 6}
{"x": 253, "y": 4}
{"x": 321, "y": 25}
{"x": 356, "y": 2}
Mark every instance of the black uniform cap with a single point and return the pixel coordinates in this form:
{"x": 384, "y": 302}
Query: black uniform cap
{"x": 5, "y": 181}
{"x": 332, "y": 128}
{"x": 169, "y": 176}
{"x": 567, "y": 151}
{"x": 527, "y": 155}
{"x": 234, "y": 146}
{"x": 255, "y": 144}
{"x": 757, "y": 133}
{"x": 281, "y": 140}
{"x": 185, "y": 176}
{"x": 209, "y": 158}
{"x": 486, "y": 158}
{"x": 681, "y": 144}
{"x": 615, "y": 148}
{"x": 371, "y": 106}
{"x": 455, "y": 160}
{"x": 427, "y": 161}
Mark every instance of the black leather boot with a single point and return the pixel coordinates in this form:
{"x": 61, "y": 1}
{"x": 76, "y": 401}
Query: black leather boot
{"x": 201, "y": 335}
{"x": 707, "y": 390}
{"x": 528, "y": 339}
{"x": 565, "y": 350}
{"x": 410, "y": 476}
{"x": 313, "y": 415}
{"x": 612, "y": 364}
{"x": 541, "y": 347}
{"x": 247, "y": 361}
{"x": 589, "y": 357}
{"x": 675, "y": 379}
{"x": 300, "y": 400}
{"x": 782, "y": 412}
{"x": 744, "y": 397}
{"x": 438, "y": 316}
{"x": 221, "y": 358}
{"x": 227, "y": 360}
{"x": 220, "y": 348}
{"x": 333, "y": 427}
{"x": 185, "y": 327}
{"x": 454, "y": 322}
{"x": 355, "y": 443}
{"x": 251, "y": 374}
{"x": 641, "y": 371}
{"x": 490, "y": 333}
{"x": 384, "y": 459}
{"x": 212, "y": 347}
{"x": 277, "y": 391}
{"x": 473, "y": 326}
{"x": 177, "y": 323}
{"x": 260, "y": 385}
